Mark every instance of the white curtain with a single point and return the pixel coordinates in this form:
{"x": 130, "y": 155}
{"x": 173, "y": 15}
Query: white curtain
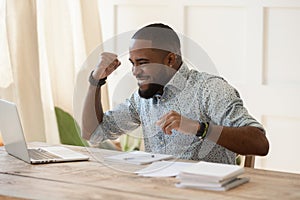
{"x": 43, "y": 45}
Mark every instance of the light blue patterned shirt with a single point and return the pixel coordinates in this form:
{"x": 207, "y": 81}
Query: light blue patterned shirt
{"x": 195, "y": 95}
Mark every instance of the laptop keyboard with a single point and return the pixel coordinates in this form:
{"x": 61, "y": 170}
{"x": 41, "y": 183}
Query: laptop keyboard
{"x": 40, "y": 154}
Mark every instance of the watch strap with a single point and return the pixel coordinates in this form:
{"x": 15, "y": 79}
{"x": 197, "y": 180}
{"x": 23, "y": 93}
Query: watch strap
{"x": 95, "y": 82}
{"x": 202, "y": 132}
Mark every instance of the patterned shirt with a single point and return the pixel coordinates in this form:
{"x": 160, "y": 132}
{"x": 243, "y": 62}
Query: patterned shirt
{"x": 193, "y": 94}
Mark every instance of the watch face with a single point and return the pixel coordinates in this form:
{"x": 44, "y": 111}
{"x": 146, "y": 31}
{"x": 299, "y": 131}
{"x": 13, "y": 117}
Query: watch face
{"x": 203, "y": 130}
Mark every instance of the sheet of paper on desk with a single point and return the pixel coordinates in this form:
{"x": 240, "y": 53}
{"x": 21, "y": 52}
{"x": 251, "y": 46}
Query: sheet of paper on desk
{"x": 138, "y": 157}
{"x": 163, "y": 169}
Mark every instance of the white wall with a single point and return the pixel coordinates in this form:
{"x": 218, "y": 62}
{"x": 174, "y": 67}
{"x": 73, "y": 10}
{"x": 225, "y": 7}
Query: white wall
{"x": 254, "y": 44}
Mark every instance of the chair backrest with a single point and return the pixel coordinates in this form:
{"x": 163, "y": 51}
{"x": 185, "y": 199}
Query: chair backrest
{"x": 249, "y": 161}
{"x": 1, "y": 143}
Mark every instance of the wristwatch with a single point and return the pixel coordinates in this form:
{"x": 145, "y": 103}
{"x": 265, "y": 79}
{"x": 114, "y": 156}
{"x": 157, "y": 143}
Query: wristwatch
{"x": 202, "y": 132}
{"x": 97, "y": 83}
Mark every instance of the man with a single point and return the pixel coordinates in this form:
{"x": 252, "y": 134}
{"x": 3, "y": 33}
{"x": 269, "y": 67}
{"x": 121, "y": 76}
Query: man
{"x": 186, "y": 113}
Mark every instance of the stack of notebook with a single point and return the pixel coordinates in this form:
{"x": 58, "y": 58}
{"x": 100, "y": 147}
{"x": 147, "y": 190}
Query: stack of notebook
{"x": 211, "y": 176}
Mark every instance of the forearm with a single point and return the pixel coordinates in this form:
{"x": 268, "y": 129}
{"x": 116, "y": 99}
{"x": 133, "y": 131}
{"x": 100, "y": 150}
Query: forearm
{"x": 92, "y": 113}
{"x": 245, "y": 140}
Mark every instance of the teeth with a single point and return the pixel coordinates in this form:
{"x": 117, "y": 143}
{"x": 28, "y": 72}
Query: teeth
{"x": 142, "y": 81}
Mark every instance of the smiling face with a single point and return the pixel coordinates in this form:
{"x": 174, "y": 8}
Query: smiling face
{"x": 150, "y": 67}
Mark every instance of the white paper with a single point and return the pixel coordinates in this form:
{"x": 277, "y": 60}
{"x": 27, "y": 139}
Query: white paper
{"x": 138, "y": 157}
{"x": 163, "y": 169}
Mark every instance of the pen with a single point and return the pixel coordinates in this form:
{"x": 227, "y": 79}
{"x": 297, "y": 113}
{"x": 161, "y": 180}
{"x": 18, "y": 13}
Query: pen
{"x": 136, "y": 157}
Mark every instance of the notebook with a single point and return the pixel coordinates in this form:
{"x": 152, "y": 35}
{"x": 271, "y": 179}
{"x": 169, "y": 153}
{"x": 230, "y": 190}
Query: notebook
{"x": 15, "y": 144}
{"x": 211, "y": 176}
{"x": 215, "y": 187}
{"x": 212, "y": 172}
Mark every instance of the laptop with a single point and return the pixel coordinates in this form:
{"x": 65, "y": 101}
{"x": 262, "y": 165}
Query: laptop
{"x": 15, "y": 144}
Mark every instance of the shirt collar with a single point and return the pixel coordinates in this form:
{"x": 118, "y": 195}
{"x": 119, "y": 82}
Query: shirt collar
{"x": 176, "y": 84}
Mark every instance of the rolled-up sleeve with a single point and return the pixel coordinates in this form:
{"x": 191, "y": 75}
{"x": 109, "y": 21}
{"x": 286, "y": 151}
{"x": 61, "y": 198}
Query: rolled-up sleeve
{"x": 224, "y": 105}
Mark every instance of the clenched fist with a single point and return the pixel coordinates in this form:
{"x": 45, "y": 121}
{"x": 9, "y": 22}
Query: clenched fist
{"x": 173, "y": 120}
{"x": 107, "y": 64}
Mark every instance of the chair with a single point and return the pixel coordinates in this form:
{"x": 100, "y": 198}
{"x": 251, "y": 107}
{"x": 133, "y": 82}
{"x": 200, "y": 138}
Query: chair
{"x": 249, "y": 161}
{"x": 1, "y": 141}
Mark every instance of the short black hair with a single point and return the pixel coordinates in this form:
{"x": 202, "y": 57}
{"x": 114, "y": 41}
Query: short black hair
{"x": 162, "y": 37}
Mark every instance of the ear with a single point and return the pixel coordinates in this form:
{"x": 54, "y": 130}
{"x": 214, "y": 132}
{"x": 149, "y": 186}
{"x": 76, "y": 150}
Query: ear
{"x": 170, "y": 60}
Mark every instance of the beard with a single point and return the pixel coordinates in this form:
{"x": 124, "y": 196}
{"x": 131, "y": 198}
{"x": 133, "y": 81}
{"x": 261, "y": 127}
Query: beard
{"x": 150, "y": 91}
{"x": 153, "y": 82}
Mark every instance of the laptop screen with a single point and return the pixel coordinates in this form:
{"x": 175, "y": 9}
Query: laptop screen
{"x": 11, "y": 131}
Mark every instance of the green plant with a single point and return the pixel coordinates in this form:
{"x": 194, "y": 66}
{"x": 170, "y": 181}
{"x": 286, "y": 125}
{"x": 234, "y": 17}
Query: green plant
{"x": 68, "y": 128}
{"x": 238, "y": 159}
{"x": 69, "y": 131}
{"x": 130, "y": 143}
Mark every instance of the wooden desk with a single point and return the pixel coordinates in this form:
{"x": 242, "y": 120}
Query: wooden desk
{"x": 94, "y": 180}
